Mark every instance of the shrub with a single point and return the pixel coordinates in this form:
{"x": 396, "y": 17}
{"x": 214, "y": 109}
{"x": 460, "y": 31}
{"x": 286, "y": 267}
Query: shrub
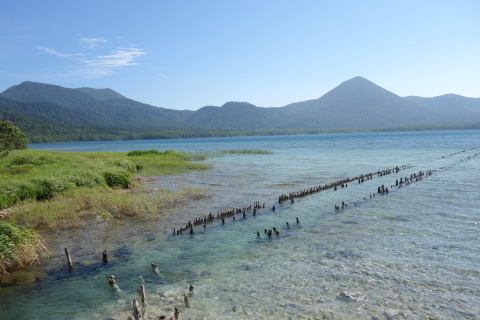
{"x": 21, "y": 160}
{"x": 46, "y": 188}
{"x": 143, "y": 152}
{"x": 117, "y": 179}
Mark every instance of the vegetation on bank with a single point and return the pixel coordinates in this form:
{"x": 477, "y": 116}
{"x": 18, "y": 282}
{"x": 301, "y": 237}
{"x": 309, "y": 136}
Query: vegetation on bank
{"x": 11, "y": 137}
{"x": 19, "y": 246}
{"x": 41, "y": 175}
{"x": 54, "y": 190}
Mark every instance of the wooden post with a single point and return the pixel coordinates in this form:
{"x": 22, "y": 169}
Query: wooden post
{"x": 111, "y": 281}
{"x": 136, "y": 310}
{"x": 155, "y": 268}
{"x": 105, "y": 256}
{"x": 191, "y": 288}
{"x": 176, "y": 313}
{"x": 69, "y": 259}
{"x": 185, "y": 298}
{"x": 141, "y": 293}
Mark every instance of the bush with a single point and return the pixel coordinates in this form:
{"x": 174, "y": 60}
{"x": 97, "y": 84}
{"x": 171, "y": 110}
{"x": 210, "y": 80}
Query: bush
{"x": 21, "y": 160}
{"x": 46, "y": 189}
{"x": 143, "y": 152}
{"x": 117, "y": 179}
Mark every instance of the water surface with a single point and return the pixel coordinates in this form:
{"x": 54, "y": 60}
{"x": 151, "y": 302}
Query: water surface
{"x": 412, "y": 253}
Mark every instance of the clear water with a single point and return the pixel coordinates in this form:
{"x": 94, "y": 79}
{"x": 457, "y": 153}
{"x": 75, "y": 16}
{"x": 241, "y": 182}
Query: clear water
{"x": 413, "y": 253}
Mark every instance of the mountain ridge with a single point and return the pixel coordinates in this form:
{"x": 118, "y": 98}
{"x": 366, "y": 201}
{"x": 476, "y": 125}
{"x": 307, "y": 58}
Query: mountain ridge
{"x": 355, "y": 104}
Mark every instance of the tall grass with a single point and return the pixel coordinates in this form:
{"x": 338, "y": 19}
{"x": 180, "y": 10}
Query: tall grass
{"x": 19, "y": 246}
{"x": 42, "y": 175}
{"x": 105, "y": 204}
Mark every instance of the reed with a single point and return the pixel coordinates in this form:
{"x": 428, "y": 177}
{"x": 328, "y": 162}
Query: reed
{"x": 19, "y": 246}
{"x": 74, "y": 208}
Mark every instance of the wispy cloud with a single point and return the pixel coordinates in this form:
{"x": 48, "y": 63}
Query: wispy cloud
{"x": 58, "y": 54}
{"x": 92, "y": 42}
{"x": 104, "y": 65}
{"x": 97, "y": 66}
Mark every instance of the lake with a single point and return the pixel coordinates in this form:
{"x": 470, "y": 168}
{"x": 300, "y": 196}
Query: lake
{"x": 411, "y": 253}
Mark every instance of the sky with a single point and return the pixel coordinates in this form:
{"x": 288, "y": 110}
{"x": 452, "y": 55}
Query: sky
{"x": 189, "y": 54}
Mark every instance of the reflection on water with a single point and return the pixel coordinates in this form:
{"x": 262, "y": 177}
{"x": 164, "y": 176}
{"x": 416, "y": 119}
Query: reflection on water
{"x": 410, "y": 254}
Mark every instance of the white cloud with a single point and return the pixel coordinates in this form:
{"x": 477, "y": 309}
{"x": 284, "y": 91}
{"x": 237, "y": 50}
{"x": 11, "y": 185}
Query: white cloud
{"x": 92, "y": 42}
{"x": 90, "y": 66}
{"x": 100, "y": 66}
{"x": 58, "y": 54}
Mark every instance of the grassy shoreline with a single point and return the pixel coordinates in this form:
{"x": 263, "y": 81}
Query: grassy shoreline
{"x": 57, "y": 190}
{"x": 51, "y": 190}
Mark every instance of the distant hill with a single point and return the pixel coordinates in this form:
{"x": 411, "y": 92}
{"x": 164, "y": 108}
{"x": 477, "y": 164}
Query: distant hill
{"x": 451, "y": 108}
{"x": 355, "y": 105}
{"x": 358, "y": 103}
{"x": 101, "y": 94}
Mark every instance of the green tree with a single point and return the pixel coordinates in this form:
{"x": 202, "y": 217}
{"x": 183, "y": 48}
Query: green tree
{"x": 11, "y": 137}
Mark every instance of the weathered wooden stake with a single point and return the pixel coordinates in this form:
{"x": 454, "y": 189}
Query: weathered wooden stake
{"x": 136, "y": 310}
{"x": 185, "y": 298}
{"x": 105, "y": 256}
{"x": 111, "y": 281}
{"x": 69, "y": 259}
{"x": 176, "y": 313}
{"x": 191, "y": 288}
{"x": 155, "y": 268}
{"x": 141, "y": 293}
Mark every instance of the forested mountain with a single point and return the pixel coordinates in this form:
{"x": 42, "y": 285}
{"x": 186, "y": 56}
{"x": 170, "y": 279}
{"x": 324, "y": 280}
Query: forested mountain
{"x": 101, "y": 94}
{"x": 357, "y": 103}
{"x": 53, "y": 113}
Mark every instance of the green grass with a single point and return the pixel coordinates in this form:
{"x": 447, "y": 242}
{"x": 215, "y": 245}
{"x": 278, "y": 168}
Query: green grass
{"x": 19, "y": 246}
{"x": 57, "y": 190}
{"x": 41, "y": 175}
{"x": 75, "y": 207}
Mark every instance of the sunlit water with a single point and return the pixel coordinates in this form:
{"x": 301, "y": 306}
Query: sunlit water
{"x": 412, "y": 253}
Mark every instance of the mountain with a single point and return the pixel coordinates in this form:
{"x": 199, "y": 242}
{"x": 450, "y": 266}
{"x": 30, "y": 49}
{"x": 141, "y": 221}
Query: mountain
{"x": 101, "y": 94}
{"x": 92, "y": 108}
{"x": 355, "y": 105}
{"x": 232, "y": 116}
{"x": 455, "y": 108}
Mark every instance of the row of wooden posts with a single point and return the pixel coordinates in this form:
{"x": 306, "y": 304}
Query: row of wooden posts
{"x": 223, "y": 215}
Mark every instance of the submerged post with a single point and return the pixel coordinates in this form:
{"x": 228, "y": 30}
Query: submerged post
{"x": 111, "y": 281}
{"x": 105, "y": 256}
{"x": 155, "y": 268}
{"x": 185, "y": 299}
{"x": 141, "y": 293}
{"x": 176, "y": 313}
{"x": 69, "y": 259}
{"x": 136, "y": 310}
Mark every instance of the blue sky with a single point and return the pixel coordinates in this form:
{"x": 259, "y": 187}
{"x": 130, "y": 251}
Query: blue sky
{"x": 189, "y": 54}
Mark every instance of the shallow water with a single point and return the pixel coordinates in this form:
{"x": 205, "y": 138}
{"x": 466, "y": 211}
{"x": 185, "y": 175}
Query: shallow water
{"x": 412, "y": 253}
